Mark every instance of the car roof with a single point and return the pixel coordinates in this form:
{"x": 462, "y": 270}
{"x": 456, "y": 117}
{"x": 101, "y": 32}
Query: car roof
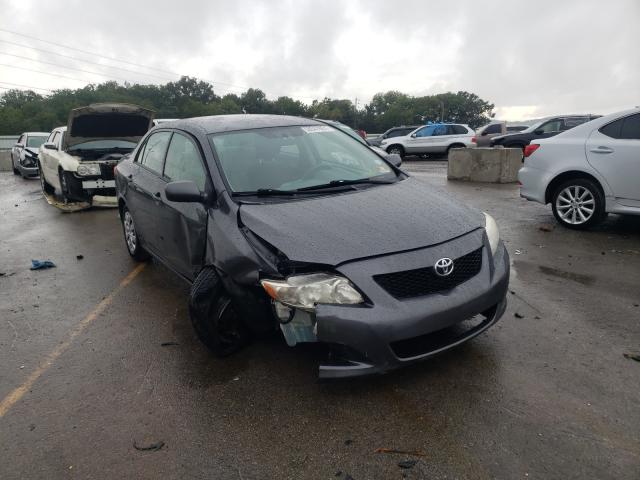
{"x": 241, "y": 121}
{"x": 37, "y": 134}
{"x": 584, "y": 129}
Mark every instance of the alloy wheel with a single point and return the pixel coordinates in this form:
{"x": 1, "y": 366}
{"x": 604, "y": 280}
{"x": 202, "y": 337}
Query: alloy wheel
{"x": 130, "y": 232}
{"x": 575, "y": 204}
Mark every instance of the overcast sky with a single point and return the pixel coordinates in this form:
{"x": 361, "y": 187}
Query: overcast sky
{"x": 529, "y": 58}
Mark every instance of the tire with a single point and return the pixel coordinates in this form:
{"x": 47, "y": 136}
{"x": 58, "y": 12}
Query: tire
{"x": 64, "y": 188}
{"x": 13, "y": 165}
{"x": 46, "y": 188}
{"x": 397, "y": 149}
{"x": 455, "y": 145}
{"x": 131, "y": 238}
{"x": 214, "y": 317}
{"x": 578, "y": 204}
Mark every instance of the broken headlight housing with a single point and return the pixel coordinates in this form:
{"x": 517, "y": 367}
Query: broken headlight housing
{"x": 491, "y": 227}
{"x": 306, "y": 291}
{"x": 88, "y": 170}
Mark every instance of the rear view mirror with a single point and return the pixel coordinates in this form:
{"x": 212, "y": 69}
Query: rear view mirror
{"x": 183, "y": 191}
{"x": 50, "y": 146}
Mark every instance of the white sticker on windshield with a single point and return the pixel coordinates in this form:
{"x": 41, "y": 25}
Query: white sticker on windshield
{"x": 317, "y": 129}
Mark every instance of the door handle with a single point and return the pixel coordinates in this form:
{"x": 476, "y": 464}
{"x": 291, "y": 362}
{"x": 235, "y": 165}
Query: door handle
{"x": 601, "y": 149}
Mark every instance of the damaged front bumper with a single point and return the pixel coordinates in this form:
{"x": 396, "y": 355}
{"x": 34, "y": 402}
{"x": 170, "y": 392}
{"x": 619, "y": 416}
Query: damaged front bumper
{"x": 92, "y": 191}
{"x": 388, "y": 332}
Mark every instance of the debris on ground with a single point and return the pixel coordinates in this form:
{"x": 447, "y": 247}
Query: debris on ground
{"x": 415, "y": 453}
{"x": 41, "y": 264}
{"x": 152, "y": 447}
{"x": 632, "y": 356}
{"x": 546, "y": 227}
{"x": 348, "y": 441}
{"x": 79, "y": 257}
{"x": 518, "y": 252}
{"x": 406, "y": 464}
{"x": 518, "y": 315}
{"x": 537, "y": 317}
{"x": 169, "y": 344}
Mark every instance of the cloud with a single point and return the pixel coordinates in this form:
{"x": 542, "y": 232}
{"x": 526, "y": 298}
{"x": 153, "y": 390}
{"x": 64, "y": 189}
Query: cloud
{"x": 528, "y": 58}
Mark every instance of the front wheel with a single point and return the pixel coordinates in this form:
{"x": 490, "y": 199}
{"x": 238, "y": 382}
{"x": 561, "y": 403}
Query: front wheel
{"x": 214, "y": 316}
{"x": 396, "y": 150}
{"x": 578, "y": 204}
{"x": 131, "y": 237}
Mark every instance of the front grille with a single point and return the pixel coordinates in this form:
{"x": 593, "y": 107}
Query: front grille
{"x": 425, "y": 281}
{"x": 106, "y": 171}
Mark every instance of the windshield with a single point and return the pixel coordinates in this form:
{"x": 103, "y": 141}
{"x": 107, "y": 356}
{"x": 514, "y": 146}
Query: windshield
{"x": 294, "y": 157}
{"x": 104, "y": 144}
{"x": 35, "y": 142}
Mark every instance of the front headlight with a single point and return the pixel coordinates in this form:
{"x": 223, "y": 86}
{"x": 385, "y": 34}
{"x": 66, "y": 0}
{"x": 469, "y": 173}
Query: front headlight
{"x": 86, "y": 170}
{"x": 493, "y": 233}
{"x": 306, "y": 291}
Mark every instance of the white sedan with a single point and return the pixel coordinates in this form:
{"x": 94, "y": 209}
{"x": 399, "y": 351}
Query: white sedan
{"x": 588, "y": 171}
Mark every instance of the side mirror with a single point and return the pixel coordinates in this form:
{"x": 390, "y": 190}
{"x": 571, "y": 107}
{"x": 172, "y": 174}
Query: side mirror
{"x": 484, "y": 134}
{"x": 19, "y": 145}
{"x": 539, "y": 132}
{"x": 413, "y": 135}
{"x": 394, "y": 159}
{"x": 184, "y": 191}
{"x": 50, "y": 146}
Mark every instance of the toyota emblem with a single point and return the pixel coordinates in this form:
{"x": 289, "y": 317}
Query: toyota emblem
{"x": 444, "y": 267}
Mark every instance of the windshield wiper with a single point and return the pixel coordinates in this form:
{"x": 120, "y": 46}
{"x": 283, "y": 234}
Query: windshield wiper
{"x": 339, "y": 183}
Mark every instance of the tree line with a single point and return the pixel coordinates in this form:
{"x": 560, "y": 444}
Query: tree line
{"x": 25, "y": 110}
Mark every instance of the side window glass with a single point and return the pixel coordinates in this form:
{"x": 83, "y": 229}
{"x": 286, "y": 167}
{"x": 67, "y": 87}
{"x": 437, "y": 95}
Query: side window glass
{"x": 425, "y": 132}
{"x": 55, "y": 138}
{"x": 552, "y": 126}
{"x": 631, "y": 128}
{"x": 184, "y": 162}
{"x": 154, "y": 151}
{"x": 440, "y": 130}
{"x": 495, "y": 128}
{"x": 612, "y": 129}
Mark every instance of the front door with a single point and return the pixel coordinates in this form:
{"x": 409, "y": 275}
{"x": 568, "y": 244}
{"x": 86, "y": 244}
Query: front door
{"x": 614, "y": 151}
{"x": 145, "y": 202}
{"x": 183, "y": 233}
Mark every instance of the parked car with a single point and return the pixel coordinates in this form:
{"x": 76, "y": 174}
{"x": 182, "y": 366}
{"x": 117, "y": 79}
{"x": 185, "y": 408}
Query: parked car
{"x": 395, "y": 159}
{"x": 543, "y": 129}
{"x": 77, "y": 161}
{"x": 392, "y": 133}
{"x": 436, "y": 138}
{"x": 588, "y": 171}
{"x": 24, "y": 154}
{"x": 285, "y": 222}
{"x": 485, "y": 133}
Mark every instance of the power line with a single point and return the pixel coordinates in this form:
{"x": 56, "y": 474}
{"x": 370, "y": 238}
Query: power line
{"x": 44, "y": 73}
{"x": 85, "y": 61}
{"x": 25, "y": 86}
{"x": 87, "y": 52}
{"x": 214, "y": 83}
{"x": 64, "y": 66}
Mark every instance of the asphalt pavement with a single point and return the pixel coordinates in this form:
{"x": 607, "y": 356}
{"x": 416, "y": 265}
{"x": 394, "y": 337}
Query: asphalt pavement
{"x": 101, "y": 375}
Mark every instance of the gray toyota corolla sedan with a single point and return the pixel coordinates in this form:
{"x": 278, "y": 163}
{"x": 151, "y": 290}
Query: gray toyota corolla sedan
{"x": 288, "y": 223}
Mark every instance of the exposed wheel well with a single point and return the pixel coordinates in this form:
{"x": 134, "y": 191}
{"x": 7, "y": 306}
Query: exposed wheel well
{"x": 395, "y": 145}
{"x": 456, "y": 145}
{"x": 563, "y": 177}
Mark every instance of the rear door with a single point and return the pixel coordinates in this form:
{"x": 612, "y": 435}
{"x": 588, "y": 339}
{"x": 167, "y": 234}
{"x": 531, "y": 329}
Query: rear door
{"x": 614, "y": 151}
{"x": 183, "y": 233}
{"x": 145, "y": 187}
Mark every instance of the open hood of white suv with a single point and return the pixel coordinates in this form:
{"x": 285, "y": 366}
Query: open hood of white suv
{"x": 113, "y": 121}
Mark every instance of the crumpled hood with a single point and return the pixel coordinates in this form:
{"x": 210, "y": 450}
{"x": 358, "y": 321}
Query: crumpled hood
{"x": 32, "y": 151}
{"x": 113, "y": 121}
{"x": 376, "y": 221}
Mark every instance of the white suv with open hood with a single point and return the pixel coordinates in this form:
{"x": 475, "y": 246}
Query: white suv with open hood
{"x": 77, "y": 161}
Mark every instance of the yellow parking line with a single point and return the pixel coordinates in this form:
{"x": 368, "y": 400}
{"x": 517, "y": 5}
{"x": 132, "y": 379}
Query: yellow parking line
{"x": 19, "y": 392}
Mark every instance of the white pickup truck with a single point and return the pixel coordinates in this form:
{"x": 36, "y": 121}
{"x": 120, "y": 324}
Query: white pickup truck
{"x": 76, "y": 162}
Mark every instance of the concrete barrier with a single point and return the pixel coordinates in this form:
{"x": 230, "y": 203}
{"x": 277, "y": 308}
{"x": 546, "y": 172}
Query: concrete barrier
{"x": 491, "y": 165}
{"x": 5, "y": 161}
